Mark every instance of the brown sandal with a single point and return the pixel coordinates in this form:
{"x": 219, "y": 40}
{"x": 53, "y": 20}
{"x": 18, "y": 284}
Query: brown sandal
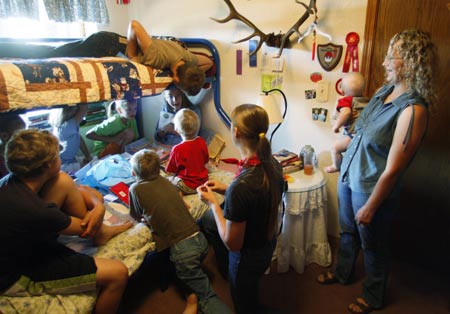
{"x": 360, "y": 306}
{"x": 326, "y": 278}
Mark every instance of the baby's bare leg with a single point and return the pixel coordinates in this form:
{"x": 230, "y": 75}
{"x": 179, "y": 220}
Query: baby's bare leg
{"x": 338, "y": 148}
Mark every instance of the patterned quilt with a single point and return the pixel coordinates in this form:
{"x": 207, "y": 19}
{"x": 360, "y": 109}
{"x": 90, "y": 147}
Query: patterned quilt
{"x": 31, "y": 83}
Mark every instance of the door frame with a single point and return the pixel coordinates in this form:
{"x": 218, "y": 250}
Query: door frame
{"x": 369, "y": 42}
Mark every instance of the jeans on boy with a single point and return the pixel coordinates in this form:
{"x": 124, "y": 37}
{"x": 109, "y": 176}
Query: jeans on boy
{"x": 187, "y": 256}
{"x": 209, "y": 228}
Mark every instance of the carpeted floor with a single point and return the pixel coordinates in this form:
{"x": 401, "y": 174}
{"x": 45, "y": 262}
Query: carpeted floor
{"x": 412, "y": 290}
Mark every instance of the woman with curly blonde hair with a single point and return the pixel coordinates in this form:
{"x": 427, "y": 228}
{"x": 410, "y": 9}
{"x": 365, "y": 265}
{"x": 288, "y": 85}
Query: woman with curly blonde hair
{"x": 419, "y": 57}
{"x": 389, "y": 132}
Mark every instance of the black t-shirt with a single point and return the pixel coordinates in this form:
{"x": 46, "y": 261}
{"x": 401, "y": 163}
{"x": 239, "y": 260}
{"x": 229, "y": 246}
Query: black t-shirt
{"x": 246, "y": 201}
{"x": 28, "y": 228}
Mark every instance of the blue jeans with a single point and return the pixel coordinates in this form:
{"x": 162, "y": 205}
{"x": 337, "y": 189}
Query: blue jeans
{"x": 187, "y": 256}
{"x": 209, "y": 228}
{"x": 246, "y": 268}
{"x": 373, "y": 239}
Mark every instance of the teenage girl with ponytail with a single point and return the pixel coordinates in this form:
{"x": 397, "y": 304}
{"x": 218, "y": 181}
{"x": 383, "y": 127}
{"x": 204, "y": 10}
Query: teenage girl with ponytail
{"x": 243, "y": 233}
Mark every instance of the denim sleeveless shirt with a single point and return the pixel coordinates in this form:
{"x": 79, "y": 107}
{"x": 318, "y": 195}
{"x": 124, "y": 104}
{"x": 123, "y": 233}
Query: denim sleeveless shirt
{"x": 366, "y": 156}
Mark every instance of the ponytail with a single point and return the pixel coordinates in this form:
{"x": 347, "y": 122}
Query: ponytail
{"x": 252, "y": 122}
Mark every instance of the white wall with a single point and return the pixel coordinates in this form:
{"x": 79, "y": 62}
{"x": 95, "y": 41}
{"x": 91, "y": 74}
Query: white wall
{"x": 191, "y": 18}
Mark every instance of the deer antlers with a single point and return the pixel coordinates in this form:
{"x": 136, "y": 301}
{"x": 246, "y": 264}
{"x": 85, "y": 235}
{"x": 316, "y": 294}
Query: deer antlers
{"x": 280, "y": 40}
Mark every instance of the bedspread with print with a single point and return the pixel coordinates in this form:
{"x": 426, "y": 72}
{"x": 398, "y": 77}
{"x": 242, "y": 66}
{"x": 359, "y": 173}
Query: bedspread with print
{"x": 26, "y": 84}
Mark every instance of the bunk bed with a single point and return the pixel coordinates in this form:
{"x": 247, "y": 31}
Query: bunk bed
{"x": 30, "y": 84}
{"x": 27, "y": 84}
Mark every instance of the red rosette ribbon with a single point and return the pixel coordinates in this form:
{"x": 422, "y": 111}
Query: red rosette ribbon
{"x": 351, "y": 53}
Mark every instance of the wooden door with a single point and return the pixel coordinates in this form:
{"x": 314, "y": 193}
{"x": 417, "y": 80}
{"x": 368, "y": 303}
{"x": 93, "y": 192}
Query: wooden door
{"x": 421, "y": 233}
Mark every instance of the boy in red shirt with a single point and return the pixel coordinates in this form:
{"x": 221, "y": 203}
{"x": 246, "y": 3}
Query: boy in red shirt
{"x": 187, "y": 160}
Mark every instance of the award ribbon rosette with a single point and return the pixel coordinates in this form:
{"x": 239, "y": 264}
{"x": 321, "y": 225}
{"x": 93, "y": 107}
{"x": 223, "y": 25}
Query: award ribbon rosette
{"x": 351, "y": 54}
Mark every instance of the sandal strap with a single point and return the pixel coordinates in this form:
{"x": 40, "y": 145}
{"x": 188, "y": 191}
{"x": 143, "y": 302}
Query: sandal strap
{"x": 364, "y": 308}
{"x": 328, "y": 277}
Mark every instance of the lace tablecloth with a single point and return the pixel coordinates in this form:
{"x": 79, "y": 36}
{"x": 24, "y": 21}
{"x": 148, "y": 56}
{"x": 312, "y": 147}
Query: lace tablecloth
{"x": 303, "y": 239}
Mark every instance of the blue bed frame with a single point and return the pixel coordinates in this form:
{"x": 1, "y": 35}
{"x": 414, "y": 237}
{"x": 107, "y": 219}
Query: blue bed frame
{"x": 215, "y": 81}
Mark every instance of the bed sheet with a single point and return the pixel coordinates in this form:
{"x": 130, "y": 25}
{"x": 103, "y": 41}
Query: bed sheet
{"x": 196, "y": 207}
{"x": 130, "y": 247}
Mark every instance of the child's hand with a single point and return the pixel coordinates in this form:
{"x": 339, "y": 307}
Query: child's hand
{"x": 169, "y": 128}
{"x": 205, "y": 194}
{"x": 91, "y": 222}
{"x": 216, "y": 186}
{"x": 211, "y": 183}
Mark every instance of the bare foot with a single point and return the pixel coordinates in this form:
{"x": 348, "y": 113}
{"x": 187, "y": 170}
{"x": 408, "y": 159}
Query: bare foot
{"x": 106, "y": 233}
{"x": 192, "y": 304}
{"x": 331, "y": 169}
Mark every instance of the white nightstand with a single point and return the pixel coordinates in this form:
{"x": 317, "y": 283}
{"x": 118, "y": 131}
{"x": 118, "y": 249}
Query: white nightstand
{"x": 303, "y": 239}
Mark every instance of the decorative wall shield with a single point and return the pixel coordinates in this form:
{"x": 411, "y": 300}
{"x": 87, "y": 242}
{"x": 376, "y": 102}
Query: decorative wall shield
{"x": 329, "y": 55}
